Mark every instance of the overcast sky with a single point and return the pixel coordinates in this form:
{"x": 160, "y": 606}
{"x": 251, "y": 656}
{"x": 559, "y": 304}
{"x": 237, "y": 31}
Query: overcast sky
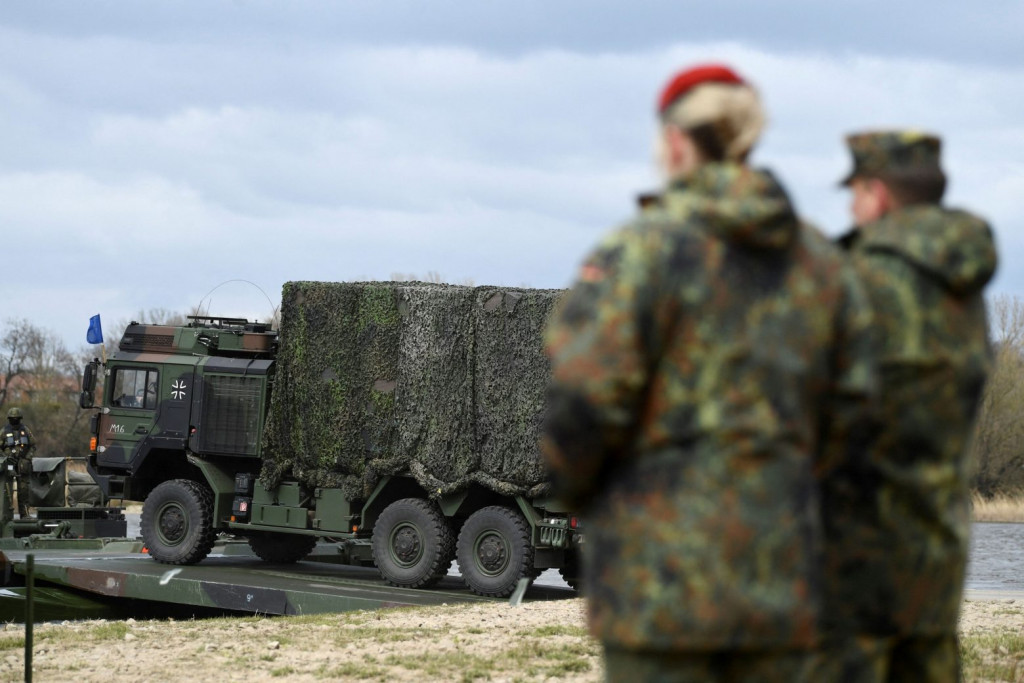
{"x": 151, "y": 151}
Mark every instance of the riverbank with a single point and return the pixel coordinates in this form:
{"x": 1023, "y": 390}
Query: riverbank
{"x": 999, "y": 508}
{"x": 539, "y": 641}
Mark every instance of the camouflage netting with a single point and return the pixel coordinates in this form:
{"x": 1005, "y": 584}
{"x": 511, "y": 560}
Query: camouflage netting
{"x": 442, "y": 381}
{"x": 511, "y": 376}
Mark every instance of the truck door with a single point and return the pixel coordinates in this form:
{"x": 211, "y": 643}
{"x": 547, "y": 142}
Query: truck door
{"x": 175, "y": 407}
{"x": 131, "y": 399}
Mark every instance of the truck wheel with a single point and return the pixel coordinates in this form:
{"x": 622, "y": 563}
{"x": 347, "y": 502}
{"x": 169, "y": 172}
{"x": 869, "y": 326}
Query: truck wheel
{"x": 177, "y": 522}
{"x": 412, "y": 543}
{"x": 571, "y": 572}
{"x": 281, "y": 548}
{"x": 495, "y": 551}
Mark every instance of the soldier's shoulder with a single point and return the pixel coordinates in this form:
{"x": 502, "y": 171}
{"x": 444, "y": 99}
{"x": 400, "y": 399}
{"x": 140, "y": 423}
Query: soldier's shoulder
{"x": 954, "y": 246}
{"x": 820, "y": 247}
{"x": 650, "y": 231}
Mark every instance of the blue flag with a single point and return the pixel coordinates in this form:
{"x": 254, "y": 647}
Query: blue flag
{"x": 95, "y": 333}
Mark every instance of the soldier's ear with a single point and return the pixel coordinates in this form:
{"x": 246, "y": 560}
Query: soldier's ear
{"x": 679, "y": 153}
{"x": 671, "y": 145}
{"x": 883, "y": 196}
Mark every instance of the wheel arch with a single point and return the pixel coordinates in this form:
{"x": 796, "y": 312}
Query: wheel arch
{"x": 158, "y": 466}
{"x": 387, "y": 491}
{"x": 459, "y": 506}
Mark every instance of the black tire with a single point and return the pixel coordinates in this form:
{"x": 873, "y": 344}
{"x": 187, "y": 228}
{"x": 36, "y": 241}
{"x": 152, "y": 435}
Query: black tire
{"x": 412, "y": 543}
{"x": 571, "y": 571}
{"x": 177, "y": 522}
{"x": 495, "y": 551}
{"x": 281, "y": 548}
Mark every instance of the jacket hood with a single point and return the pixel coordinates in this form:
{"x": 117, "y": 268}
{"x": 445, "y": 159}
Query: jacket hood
{"x": 954, "y": 246}
{"x": 739, "y": 204}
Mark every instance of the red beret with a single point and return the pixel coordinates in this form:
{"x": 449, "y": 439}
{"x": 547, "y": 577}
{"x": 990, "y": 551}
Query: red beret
{"x": 684, "y": 81}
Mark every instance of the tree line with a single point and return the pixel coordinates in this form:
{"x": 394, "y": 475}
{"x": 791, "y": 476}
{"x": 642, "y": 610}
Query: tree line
{"x": 997, "y": 450}
{"x": 39, "y": 374}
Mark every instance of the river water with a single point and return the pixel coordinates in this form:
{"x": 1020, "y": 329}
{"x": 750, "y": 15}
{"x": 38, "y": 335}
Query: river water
{"x": 997, "y": 557}
{"x": 996, "y": 561}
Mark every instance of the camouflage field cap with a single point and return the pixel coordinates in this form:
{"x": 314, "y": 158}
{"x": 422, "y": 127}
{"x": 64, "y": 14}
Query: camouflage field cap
{"x": 894, "y": 154}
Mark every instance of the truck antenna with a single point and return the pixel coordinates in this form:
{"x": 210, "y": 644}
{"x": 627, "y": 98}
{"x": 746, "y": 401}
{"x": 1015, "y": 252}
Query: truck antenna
{"x": 199, "y": 307}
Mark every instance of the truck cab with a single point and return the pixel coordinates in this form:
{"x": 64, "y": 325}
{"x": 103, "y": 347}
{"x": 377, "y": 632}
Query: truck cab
{"x": 174, "y": 394}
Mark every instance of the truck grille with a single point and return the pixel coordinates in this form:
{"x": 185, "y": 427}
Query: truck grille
{"x": 231, "y": 412}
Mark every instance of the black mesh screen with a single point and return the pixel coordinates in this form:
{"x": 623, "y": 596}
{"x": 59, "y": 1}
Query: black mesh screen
{"x": 231, "y": 414}
{"x": 140, "y": 342}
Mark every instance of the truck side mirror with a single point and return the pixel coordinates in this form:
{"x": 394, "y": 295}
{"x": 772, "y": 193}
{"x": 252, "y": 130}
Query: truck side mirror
{"x": 88, "y": 396}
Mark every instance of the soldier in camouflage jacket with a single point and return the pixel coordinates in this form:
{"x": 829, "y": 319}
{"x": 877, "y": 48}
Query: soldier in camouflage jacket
{"x": 16, "y": 447}
{"x": 698, "y": 362}
{"x": 897, "y": 522}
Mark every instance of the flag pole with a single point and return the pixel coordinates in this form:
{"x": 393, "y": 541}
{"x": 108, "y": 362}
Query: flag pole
{"x": 95, "y": 335}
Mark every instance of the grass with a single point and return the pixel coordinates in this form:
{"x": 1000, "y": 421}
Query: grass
{"x": 993, "y": 656}
{"x": 445, "y": 665}
{"x": 103, "y": 631}
{"x": 12, "y": 643}
{"x": 555, "y": 630}
{"x": 114, "y": 630}
{"x": 357, "y": 646}
{"x": 365, "y": 647}
{"x": 354, "y": 670}
{"x": 999, "y": 508}
{"x": 283, "y": 671}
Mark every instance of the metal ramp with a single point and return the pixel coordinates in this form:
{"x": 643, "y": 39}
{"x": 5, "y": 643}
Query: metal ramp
{"x": 230, "y": 581}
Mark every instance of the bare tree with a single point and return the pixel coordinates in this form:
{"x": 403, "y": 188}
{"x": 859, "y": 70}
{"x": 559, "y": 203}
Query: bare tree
{"x": 21, "y": 346}
{"x": 40, "y": 374}
{"x": 997, "y": 453}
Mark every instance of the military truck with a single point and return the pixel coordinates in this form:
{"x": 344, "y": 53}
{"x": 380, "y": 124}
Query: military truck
{"x": 182, "y": 425}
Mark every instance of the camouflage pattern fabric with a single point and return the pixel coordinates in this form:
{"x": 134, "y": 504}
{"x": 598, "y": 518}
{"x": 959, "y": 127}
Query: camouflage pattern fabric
{"x": 784, "y": 666}
{"x": 10, "y": 438}
{"x": 897, "y": 522}
{"x": 12, "y": 446}
{"x": 382, "y": 378}
{"x": 869, "y": 659}
{"x": 696, "y": 363}
{"x": 894, "y": 154}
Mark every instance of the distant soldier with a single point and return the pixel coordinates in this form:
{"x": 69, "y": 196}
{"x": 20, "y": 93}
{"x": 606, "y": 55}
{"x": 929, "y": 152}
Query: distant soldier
{"x": 897, "y": 522}
{"x": 696, "y": 361}
{"x": 17, "y": 443}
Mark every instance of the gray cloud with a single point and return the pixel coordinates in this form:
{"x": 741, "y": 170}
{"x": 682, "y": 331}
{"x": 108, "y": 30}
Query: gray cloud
{"x": 942, "y": 29}
{"x": 142, "y": 173}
